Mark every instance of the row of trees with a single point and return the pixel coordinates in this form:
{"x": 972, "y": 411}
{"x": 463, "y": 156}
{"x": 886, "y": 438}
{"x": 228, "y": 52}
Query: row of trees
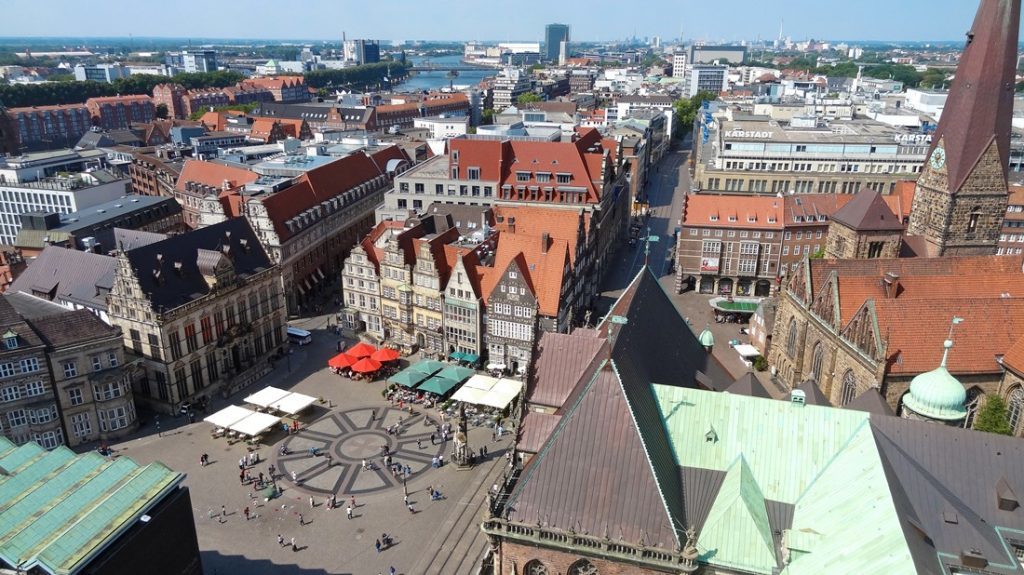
{"x": 72, "y": 92}
{"x": 930, "y": 78}
{"x": 358, "y": 77}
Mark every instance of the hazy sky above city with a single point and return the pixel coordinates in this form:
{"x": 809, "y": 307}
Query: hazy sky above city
{"x": 595, "y": 20}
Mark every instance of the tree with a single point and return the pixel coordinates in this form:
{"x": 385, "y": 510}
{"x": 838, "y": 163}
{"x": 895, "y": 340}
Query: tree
{"x": 161, "y": 111}
{"x": 686, "y": 111}
{"x": 527, "y": 98}
{"x": 993, "y": 417}
{"x": 487, "y": 117}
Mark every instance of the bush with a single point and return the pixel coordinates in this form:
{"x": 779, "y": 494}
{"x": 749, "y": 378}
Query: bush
{"x": 760, "y": 363}
{"x": 993, "y": 417}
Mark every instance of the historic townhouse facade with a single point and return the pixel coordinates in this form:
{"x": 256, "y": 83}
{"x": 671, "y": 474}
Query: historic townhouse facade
{"x": 463, "y": 307}
{"x": 203, "y": 309}
{"x": 512, "y": 317}
{"x": 92, "y": 381}
{"x": 28, "y": 400}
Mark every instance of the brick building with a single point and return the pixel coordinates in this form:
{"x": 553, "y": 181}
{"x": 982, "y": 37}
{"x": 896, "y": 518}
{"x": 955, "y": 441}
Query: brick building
{"x": 172, "y": 96}
{"x": 1011, "y": 237}
{"x": 49, "y": 127}
{"x": 197, "y": 100}
{"x": 120, "y": 112}
{"x": 199, "y": 179}
{"x": 283, "y": 88}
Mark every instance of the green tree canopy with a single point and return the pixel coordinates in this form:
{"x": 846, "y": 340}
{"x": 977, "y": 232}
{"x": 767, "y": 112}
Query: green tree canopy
{"x": 993, "y": 417}
{"x": 527, "y": 98}
{"x": 161, "y": 111}
{"x": 686, "y": 110}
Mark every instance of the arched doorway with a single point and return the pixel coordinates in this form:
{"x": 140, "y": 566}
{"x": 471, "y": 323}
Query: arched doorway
{"x": 743, "y": 286}
{"x": 725, "y": 286}
{"x": 707, "y": 285}
{"x": 763, "y": 288}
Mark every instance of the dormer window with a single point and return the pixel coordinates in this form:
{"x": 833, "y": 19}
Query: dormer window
{"x": 714, "y": 218}
{"x": 10, "y": 340}
{"x": 732, "y": 218}
{"x": 751, "y": 219}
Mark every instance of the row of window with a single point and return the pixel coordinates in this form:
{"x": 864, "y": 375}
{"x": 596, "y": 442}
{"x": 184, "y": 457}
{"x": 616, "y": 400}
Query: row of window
{"x": 22, "y": 417}
{"x": 510, "y": 329}
{"x": 15, "y": 392}
{"x": 71, "y": 367}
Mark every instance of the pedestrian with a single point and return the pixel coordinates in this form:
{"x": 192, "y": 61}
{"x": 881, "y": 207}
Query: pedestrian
{"x": 432, "y": 436}
{"x": 280, "y": 540}
{"x": 485, "y": 450}
{"x": 405, "y": 500}
{"x": 408, "y": 471}
{"x": 312, "y": 503}
{"x": 348, "y": 511}
{"x": 261, "y": 478}
{"x": 419, "y": 444}
{"x": 376, "y": 545}
{"x": 411, "y": 510}
{"x": 246, "y": 511}
{"x": 330, "y": 460}
{"x": 391, "y": 571}
{"x": 364, "y": 464}
{"x": 373, "y": 415}
{"x": 295, "y": 478}
{"x": 202, "y": 460}
{"x": 223, "y": 511}
{"x": 241, "y": 476}
{"x": 302, "y": 520}
{"x": 352, "y": 501}
{"x": 294, "y": 548}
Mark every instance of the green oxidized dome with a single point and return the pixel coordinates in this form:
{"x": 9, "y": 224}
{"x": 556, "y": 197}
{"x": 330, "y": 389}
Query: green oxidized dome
{"x": 707, "y": 339}
{"x": 937, "y": 394}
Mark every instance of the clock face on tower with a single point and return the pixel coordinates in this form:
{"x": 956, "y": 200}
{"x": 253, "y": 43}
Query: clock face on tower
{"x": 938, "y": 159}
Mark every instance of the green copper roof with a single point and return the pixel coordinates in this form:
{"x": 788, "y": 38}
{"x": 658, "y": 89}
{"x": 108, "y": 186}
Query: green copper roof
{"x": 707, "y": 339}
{"x": 58, "y": 509}
{"x": 936, "y": 394}
{"x": 821, "y": 460}
{"x": 736, "y": 533}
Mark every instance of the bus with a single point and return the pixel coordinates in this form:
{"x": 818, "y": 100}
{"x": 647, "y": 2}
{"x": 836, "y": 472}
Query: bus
{"x": 299, "y": 336}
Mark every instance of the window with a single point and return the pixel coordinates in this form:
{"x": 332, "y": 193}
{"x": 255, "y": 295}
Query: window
{"x": 97, "y": 363}
{"x": 29, "y": 364}
{"x": 75, "y": 396}
{"x": 1014, "y": 408}
{"x": 972, "y": 402}
{"x": 17, "y": 418}
{"x": 817, "y": 359}
{"x": 112, "y": 359}
{"x": 191, "y": 341}
{"x": 34, "y": 388}
{"x": 154, "y": 346}
{"x": 972, "y": 223}
{"x": 10, "y": 393}
{"x": 207, "y": 329}
{"x": 474, "y": 173}
{"x": 791, "y": 339}
{"x": 535, "y": 567}
{"x": 117, "y": 418}
{"x": 849, "y": 388}
{"x": 49, "y": 439}
{"x": 81, "y": 427}
{"x": 11, "y": 341}
{"x": 44, "y": 415}
{"x": 522, "y": 176}
{"x": 564, "y": 178}
{"x": 175, "y": 344}
{"x": 582, "y": 567}
{"x": 70, "y": 369}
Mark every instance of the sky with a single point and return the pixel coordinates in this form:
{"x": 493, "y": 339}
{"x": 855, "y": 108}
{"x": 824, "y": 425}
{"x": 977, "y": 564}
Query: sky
{"x": 593, "y": 20}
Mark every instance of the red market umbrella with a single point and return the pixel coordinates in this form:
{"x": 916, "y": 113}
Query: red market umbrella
{"x": 385, "y": 354}
{"x": 361, "y": 349}
{"x": 366, "y": 365}
{"x": 341, "y": 361}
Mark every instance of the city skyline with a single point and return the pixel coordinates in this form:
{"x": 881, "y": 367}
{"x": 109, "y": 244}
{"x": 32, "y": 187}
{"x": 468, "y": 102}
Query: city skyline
{"x": 942, "y": 21}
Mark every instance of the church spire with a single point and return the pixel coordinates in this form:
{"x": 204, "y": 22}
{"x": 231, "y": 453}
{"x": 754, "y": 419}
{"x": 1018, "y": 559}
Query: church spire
{"x": 980, "y": 103}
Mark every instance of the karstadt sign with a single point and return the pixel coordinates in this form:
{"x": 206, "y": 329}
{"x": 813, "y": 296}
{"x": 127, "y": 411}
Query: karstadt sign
{"x": 748, "y": 135}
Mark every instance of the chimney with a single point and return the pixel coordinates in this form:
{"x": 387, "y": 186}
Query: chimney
{"x": 797, "y": 397}
{"x": 545, "y": 239}
{"x": 891, "y": 280}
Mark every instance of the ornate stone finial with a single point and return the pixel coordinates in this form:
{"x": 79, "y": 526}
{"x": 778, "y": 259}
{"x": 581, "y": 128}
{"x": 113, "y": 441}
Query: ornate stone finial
{"x": 690, "y": 548}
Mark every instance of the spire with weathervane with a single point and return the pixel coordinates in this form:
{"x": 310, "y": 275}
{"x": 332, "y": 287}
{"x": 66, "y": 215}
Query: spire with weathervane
{"x": 962, "y": 192}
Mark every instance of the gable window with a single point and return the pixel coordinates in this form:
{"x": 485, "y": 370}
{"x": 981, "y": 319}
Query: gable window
{"x": 522, "y": 176}
{"x": 564, "y": 178}
{"x": 11, "y": 340}
{"x": 474, "y": 173}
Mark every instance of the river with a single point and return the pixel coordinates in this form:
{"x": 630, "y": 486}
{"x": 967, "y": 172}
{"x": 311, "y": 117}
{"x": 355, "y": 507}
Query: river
{"x": 436, "y": 80}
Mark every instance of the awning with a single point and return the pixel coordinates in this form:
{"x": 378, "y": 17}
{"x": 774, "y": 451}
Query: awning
{"x": 361, "y": 350}
{"x": 457, "y": 373}
{"x": 266, "y": 396}
{"x": 228, "y": 415}
{"x": 490, "y": 391}
{"x": 341, "y": 361}
{"x": 470, "y": 357}
{"x": 746, "y": 350}
{"x": 457, "y": 356}
{"x": 437, "y": 384}
{"x": 255, "y": 424}
{"x": 293, "y": 403}
{"x": 427, "y": 366}
{"x": 407, "y": 378}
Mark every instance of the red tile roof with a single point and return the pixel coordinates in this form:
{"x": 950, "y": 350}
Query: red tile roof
{"x": 542, "y": 271}
{"x": 119, "y": 99}
{"x": 213, "y": 174}
{"x": 560, "y": 223}
{"x": 316, "y": 186}
{"x": 767, "y": 211}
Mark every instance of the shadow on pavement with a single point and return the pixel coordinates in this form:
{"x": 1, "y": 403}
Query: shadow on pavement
{"x": 214, "y": 563}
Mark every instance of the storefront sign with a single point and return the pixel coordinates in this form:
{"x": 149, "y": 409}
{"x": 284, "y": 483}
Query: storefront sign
{"x": 911, "y": 139}
{"x": 709, "y": 264}
{"x": 750, "y": 135}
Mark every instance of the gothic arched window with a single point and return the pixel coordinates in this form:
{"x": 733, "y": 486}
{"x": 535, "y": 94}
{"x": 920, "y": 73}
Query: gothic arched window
{"x": 972, "y": 403}
{"x": 849, "y": 388}
{"x": 817, "y": 359}
{"x": 535, "y": 567}
{"x": 791, "y": 338}
{"x": 1014, "y": 408}
{"x": 582, "y": 567}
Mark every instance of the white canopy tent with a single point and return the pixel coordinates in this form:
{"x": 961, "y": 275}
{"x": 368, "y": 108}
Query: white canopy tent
{"x": 255, "y": 424}
{"x": 746, "y": 350}
{"x": 489, "y": 391}
{"x": 293, "y": 403}
{"x": 228, "y": 416}
{"x": 266, "y": 396}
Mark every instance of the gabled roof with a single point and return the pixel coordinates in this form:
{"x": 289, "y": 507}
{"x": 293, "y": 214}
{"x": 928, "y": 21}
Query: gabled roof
{"x": 748, "y": 384}
{"x": 316, "y": 186}
{"x": 812, "y": 394}
{"x": 213, "y": 174}
{"x": 732, "y": 211}
{"x": 618, "y": 494}
{"x": 83, "y": 278}
{"x": 870, "y": 401}
{"x": 168, "y": 271}
{"x": 979, "y": 108}
{"x": 543, "y": 271}
{"x": 559, "y": 223}
{"x": 868, "y": 212}
{"x": 72, "y": 327}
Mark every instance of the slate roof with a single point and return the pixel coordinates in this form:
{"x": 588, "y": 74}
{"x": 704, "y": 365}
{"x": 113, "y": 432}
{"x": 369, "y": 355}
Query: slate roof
{"x": 870, "y": 401}
{"x": 59, "y": 273}
{"x": 748, "y": 384}
{"x": 979, "y": 108}
{"x": 59, "y": 510}
{"x": 535, "y": 430}
{"x": 561, "y": 361}
{"x": 71, "y": 327}
{"x": 177, "y": 260}
{"x": 867, "y": 211}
